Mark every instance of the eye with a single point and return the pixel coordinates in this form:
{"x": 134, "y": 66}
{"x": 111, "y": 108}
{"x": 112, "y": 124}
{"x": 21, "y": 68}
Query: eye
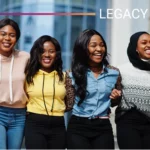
{"x": 52, "y": 51}
{"x": 144, "y": 42}
{"x": 12, "y": 35}
{"x": 93, "y": 45}
{"x": 2, "y": 34}
{"x": 102, "y": 45}
{"x": 49, "y": 51}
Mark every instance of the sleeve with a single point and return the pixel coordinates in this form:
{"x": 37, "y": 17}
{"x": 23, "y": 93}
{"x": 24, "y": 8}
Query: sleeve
{"x": 118, "y": 86}
{"x": 26, "y": 90}
{"x": 70, "y": 93}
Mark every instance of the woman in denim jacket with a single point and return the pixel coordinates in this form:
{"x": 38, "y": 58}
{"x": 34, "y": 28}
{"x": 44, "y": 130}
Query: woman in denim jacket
{"x": 93, "y": 79}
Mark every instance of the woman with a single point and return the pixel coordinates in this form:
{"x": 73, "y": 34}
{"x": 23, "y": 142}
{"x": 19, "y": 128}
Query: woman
{"x": 46, "y": 90}
{"x": 133, "y": 113}
{"x": 12, "y": 95}
{"x": 93, "y": 79}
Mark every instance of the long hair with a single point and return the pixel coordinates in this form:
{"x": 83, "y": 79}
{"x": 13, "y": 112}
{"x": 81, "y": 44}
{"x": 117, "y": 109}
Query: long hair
{"x": 7, "y": 21}
{"x": 80, "y": 61}
{"x": 35, "y": 56}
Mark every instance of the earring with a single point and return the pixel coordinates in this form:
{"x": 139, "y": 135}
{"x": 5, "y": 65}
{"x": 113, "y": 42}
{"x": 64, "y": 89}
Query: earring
{"x": 137, "y": 51}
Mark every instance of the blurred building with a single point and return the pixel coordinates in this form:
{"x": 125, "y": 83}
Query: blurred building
{"x": 64, "y": 28}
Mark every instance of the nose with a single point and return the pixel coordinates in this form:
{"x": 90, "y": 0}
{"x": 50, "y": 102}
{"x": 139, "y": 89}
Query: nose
{"x": 148, "y": 45}
{"x": 98, "y": 48}
{"x": 46, "y": 53}
{"x": 7, "y": 37}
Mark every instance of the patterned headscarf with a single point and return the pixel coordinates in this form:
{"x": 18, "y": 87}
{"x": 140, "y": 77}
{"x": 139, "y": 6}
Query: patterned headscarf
{"x": 133, "y": 54}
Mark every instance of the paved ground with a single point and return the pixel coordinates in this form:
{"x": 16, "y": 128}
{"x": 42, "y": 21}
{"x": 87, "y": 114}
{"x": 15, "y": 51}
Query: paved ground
{"x": 112, "y": 117}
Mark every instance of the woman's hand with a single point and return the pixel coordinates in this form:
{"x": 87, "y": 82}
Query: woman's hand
{"x": 115, "y": 94}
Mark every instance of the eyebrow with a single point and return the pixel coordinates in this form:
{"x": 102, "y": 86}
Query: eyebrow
{"x": 6, "y": 32}
{"x": 95, "y": 42}
{"x": 49, "y": 49}
{"x": 144, "y": 40}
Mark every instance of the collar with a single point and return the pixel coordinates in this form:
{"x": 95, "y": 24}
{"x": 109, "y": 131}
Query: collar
{"x": 104, "y": 70}
{"x": 41, "y": 72}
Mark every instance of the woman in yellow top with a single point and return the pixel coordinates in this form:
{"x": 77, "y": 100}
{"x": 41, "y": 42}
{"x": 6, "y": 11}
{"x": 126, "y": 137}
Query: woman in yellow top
{"x": 46, "y": 91}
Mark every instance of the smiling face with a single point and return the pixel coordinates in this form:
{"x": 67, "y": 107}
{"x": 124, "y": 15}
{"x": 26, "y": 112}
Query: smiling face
{"x": 7, "y": 40}
{"x": 48, "y": 57}
{"x": 143, "y": 46}
{"x": 96, "y": 49}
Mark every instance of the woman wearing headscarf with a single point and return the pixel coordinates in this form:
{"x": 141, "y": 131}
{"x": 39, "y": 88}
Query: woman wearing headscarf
{"x": 133, "y": 113}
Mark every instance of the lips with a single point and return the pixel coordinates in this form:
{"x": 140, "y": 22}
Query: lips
{"x": 7, "y": 45}
{"x": 98, "y": 55}
{"x": 47, "y": 61}
{"x": 147, "y": 51}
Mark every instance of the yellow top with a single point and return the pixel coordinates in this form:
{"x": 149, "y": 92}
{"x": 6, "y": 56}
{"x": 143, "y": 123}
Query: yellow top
{"x": 47, "y": 94}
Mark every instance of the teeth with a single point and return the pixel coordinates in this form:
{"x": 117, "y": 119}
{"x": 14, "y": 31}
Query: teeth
{"x": 98, "y": 54}
{"x": 147, "y": 52}
{"x": 6, "y": 44}
{"x": 46, "y": 60}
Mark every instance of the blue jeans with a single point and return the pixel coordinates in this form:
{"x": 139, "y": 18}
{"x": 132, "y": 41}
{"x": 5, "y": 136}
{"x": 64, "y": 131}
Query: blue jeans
{"x": 12, "y": 123}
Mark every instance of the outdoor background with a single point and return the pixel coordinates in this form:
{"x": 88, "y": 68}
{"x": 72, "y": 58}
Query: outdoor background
{"x": 65, "y": 29}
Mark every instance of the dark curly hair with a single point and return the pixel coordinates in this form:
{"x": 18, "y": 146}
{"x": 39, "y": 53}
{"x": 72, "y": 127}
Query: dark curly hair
{"x": 80, "y": 61}
{"x": 35, "y": 55}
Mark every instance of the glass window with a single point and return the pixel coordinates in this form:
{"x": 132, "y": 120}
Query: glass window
{"x": 61, "y": 1}
{"x": 91, "y": 22}
{"x": 78, "y": 2}
{"x": 66, "y": 29}
{"x": 76, "y": 28}
{"x": 60, "y": 30}
{"x": 91, "y": 3}
{"x": 17, "y": 1}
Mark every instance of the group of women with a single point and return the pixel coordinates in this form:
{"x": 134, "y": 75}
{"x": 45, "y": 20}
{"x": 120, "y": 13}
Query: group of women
{"x": 35, "y": 93}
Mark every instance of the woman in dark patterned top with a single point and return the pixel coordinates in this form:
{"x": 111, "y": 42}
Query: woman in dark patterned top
{"x": 133, "y": 113}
